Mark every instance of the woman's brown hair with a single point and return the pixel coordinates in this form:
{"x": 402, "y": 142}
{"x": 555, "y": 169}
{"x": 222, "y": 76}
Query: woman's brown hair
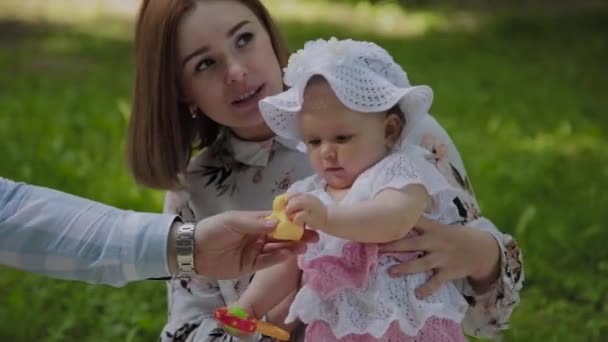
{"x": 162, "y": 133}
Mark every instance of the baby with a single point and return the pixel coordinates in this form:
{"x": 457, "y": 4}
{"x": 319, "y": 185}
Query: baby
{"x": 350, "y": 106}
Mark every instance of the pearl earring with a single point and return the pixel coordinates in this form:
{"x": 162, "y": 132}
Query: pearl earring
{"x": 193, "y": 112}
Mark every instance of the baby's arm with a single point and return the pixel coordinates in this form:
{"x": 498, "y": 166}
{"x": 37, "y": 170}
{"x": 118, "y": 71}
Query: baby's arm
{"x": 386, "y": 217}
{"x": 269, "y": 287}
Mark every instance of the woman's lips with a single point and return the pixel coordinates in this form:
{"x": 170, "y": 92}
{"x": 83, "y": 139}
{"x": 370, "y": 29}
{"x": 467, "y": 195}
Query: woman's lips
{"x": 252, "y": 100}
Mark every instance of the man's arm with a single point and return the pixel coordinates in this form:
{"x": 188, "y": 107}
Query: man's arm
{"x": 68, "y": 237}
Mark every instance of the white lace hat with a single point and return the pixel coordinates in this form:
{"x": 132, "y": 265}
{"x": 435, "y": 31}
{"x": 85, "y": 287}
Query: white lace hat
{"x": 363, "y": 76}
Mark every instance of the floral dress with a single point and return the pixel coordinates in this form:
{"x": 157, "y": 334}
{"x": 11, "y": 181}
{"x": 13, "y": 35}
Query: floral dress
{"x": 239, "y": 175}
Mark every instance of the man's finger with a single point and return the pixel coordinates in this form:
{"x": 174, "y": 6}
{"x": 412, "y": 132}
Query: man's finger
{"x": 243, "y": 217}
{"x": 270, "y": 259}
{"x": 432, "y": 285}
{"x": 273, "y": 246}
{"x": 424, "y": 264}
{"x": 261, "y": 213}
{"x": 309, "y": 236}
{"x": 251, "y": 223}
{"x": 250, "y": 253}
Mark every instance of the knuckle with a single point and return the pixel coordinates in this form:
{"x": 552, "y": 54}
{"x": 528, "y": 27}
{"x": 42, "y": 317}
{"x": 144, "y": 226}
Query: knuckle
{"x": 397, "y": 246}
{"x": 438, "y": 279}
{"x": 426, "y": 263}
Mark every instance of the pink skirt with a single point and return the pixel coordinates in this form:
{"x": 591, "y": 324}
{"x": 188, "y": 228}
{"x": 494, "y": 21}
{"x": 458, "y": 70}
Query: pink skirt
{"x": 434, "y": 330}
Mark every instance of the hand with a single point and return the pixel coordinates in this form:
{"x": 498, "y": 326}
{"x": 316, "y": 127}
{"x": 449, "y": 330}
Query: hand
{"x": 306, "y": 210}
{"x": 451, "y": 252}
{"x": 234, "y": 243}
{"x": 246, "y": 306}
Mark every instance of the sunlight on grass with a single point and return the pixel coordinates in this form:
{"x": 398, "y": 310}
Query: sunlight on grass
{"x": 102, "y": 18}
{"x": 388, "y": 19}
{"x": 384, "y": 19}
{"x": 563, "y": 142}
{"x": 560, "y": 140}
{"x": 68, "y": 10}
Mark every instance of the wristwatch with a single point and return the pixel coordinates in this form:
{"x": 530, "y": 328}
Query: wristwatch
{"x": 184, "y": 249}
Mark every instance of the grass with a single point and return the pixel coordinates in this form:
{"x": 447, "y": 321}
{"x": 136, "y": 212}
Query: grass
{"x": 523, "y": 95}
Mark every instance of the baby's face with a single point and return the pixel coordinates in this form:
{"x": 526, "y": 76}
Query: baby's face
{"x": 341, "y": 143}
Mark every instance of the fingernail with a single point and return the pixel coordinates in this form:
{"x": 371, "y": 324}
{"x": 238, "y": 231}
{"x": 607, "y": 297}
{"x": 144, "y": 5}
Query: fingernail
{"x": 270, "y": 223}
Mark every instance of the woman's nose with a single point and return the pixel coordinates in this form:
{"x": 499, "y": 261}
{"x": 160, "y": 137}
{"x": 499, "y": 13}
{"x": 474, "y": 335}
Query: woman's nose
{"x": 237, "y": 72}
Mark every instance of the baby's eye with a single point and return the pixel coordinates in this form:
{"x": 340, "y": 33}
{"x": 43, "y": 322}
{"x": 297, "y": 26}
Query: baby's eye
{"x": 342, "y": 139}
{"x": 314, "y": 142}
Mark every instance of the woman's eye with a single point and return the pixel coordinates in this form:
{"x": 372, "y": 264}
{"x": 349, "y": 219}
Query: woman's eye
{"x": 204, "y": 64}
{"x": 244, "y": 39}
{"x": 341, "y": 139}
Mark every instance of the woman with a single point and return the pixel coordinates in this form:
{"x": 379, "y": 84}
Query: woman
{"x": 202, "y": 67}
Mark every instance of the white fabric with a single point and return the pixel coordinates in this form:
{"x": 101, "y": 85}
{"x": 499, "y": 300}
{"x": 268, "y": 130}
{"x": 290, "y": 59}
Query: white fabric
{"x": 362, "y": 75}
{"x": 252, "y": 182}
{"x": 385, "y": 299}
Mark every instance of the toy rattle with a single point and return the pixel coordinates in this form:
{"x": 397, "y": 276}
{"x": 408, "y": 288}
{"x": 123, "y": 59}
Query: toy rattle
{"x": 237, "y": 322}
{"x": 286, "y": 230}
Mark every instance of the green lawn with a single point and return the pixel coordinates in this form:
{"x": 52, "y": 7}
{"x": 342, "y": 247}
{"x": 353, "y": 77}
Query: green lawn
{"x": 523, "y": 96}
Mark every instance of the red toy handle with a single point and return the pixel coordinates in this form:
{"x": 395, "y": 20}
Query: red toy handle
{"x": 237, "y": 322}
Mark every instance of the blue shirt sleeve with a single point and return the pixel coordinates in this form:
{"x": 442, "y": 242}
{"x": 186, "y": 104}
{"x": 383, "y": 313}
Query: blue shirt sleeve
{"x": 64, "y": 236}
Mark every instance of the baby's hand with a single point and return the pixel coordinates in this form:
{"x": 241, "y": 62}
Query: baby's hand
{"x": 245, "y": 305}
{"x": 306, "y": 210}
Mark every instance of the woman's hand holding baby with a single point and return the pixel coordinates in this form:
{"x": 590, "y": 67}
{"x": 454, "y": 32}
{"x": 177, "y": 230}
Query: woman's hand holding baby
{"x": 450, "y": 252}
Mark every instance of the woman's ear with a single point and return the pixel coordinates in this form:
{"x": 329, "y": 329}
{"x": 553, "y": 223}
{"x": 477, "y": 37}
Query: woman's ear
{"x": 393, "y": 126}
{"x": 182, "y": 93}
{"x": 182, "y": 97}
{"x": 193, "y": 110}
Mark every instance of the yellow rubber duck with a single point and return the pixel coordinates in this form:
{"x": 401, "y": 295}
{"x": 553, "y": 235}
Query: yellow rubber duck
{"x": 286, "y": 230}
